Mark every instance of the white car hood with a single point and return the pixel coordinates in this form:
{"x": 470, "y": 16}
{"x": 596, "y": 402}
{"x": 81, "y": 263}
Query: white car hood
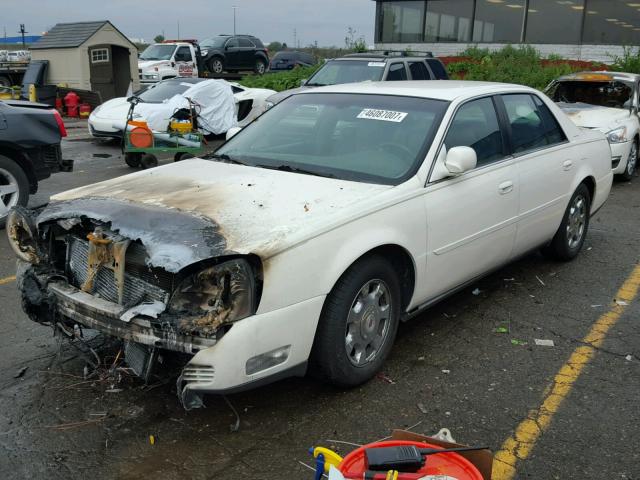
{"x": 147, "y": 64}
{"x": 604, "y": 119}
{"x": 250, "y": 210}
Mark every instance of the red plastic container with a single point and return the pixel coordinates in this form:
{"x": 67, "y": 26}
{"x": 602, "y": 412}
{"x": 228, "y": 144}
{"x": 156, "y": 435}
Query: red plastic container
{"x": 85, "y": 110}
{"x": 451, "y": 464}
{"x": 71, "y": 102}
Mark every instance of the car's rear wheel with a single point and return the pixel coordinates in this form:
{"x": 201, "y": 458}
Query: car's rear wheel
{"x": 261, "y": 67}
{"x": 216, "y": 66}
{"x": 632, "y": 162}
{"x": 358, "y": 324}
{"x": 14, "y": 187}
{"x": 569, "y": 238}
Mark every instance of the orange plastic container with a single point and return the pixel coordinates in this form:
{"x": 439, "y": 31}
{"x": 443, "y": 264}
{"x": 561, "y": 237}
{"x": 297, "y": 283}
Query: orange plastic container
{"x": 451, "y": 464}
{"x": 141, "y": 137}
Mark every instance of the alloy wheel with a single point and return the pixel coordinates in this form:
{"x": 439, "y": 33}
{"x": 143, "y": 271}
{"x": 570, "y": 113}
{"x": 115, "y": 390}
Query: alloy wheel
{"x": 577, "y": 221}
{"x": 260, "y": 68}
{"x": 633, "y": 159}
{"x": 368, "y": 322}
{"x": 217, "y": 66}
{"x": 9, "y": 192}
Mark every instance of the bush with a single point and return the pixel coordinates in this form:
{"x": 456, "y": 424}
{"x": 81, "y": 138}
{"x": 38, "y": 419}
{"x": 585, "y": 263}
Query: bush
{"x": 521, "y": 65}
{"x": 629, "y": 61}
{"x": 281, "y": 80}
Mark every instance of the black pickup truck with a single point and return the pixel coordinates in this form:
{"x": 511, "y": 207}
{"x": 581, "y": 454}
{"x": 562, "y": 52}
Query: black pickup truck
{"x": 30, "y": 135}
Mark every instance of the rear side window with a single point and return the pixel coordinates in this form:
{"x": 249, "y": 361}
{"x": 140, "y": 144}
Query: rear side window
{"x": 419, "y": 71}
{"x": 476, "y": 125}
{"x": 397, "y": 71}
{"x": 246, "y": 43}
{"x": 232, "y": 43}
{"x": 551, "y": 126}
{"x": 528, "y": 129}
{"x": 438, "y": 69}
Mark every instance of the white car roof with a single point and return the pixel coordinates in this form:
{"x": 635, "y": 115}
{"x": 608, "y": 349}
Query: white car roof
{"x": 436, "y": 89}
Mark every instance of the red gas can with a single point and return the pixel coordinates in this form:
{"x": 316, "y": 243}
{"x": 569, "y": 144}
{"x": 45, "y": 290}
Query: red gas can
{"x": 71, "y": 102}
{"x": 85, "y": 110}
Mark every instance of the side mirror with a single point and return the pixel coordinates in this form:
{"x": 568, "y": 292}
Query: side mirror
{"x": 460, "y": 160}
{"x": 232, "y": 132}
{"x": 303, "y": 82}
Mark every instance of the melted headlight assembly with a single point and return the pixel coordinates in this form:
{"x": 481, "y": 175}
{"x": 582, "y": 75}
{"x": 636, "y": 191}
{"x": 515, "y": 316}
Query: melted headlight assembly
{"x": 21, "y": 232}
{"x": 220, "y": 294}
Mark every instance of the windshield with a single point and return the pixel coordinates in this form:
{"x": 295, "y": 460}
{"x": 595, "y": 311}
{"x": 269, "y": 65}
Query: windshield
{"x": 369, "y": 138}
{"x": 158, "y": 52}
{"x": 614, "y": 94}
{"x": 163, "y": 91}
{"x": 215, "y": 42}
{"x": 347, "y": 71}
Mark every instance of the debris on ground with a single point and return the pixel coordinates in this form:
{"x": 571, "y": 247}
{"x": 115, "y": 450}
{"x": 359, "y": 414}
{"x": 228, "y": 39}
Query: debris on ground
{"x": 476, "y": 292}
{"x": 20, "y": 372}
{"x": 152, "y": 440}
{"x": 422, "y": 407}
{"x": 515, "y": 341}
{"x": 622, "y": 303}
{"x": 446, "y": 372}
{"x": 501, "y": 330}
{"x": 385, "y": 378}
{"x": 540, "y": 280}
{"x": 628, "y": 358}
{"x": 543, "y": 343}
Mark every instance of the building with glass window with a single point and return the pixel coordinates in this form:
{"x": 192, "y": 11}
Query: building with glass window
{"x": 577, "y": 29}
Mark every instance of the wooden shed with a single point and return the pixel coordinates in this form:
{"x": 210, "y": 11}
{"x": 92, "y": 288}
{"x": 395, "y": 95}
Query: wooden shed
{"x": 89, "y": 56}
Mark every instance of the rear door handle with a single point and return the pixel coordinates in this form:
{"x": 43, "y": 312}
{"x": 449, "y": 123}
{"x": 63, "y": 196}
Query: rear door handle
{"x": 567, "y": 165}
{"x": 505, "y": 187}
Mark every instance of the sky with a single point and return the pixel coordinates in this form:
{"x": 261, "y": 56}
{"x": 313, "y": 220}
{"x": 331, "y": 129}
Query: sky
{"x": 324, "y": 21}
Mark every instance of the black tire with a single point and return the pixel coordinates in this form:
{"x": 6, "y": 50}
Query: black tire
{"x": 21, "y": 196}
{"x": 216, "y": 66}
{"x": 182, "y": 156}
{"x": 632, "y": 163}
{"x": 331, "y": 359}
{"x": 148, "y": 161}
{"x": 260, "y": 67}
{"x": 565, "y": 245}
{"x": 132, "y": 159}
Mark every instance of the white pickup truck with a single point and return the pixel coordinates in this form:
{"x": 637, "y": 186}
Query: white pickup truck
{"x": 169, "y": 59}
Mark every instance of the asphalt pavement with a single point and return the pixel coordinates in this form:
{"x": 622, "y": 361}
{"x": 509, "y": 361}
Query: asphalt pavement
{"x": 470, "y": 364}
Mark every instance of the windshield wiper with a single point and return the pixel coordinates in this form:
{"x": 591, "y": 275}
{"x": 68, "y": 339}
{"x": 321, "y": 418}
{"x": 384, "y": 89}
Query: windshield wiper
{"x": 315, "y": 84}
{"x": 225, "y": 158}
{"x": 289, "y": 168}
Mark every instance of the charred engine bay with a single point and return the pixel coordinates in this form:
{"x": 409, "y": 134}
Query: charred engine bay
{"x": 135, "y": 272}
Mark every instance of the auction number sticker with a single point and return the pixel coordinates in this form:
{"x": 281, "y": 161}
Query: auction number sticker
{"x": 376, "y": 64}
{"x": 384, "y": 115}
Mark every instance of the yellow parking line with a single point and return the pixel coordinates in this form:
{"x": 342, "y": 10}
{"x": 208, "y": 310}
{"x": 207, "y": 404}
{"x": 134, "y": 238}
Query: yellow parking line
{"x": 519, "y": 446}
{"x": 4, "y": 281}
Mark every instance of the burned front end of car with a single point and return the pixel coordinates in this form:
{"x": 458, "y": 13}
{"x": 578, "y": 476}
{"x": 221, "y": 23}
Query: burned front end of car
{"x": 158, "y": 279}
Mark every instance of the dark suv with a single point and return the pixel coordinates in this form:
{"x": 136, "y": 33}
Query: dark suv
{"x": 234, "y": 53}
{"x": 30, "y": 135}
{"x": 375, "y": 66}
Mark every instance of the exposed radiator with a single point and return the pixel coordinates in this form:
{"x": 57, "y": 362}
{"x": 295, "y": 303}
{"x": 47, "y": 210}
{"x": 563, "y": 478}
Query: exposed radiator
{"x": 141, "y": 283}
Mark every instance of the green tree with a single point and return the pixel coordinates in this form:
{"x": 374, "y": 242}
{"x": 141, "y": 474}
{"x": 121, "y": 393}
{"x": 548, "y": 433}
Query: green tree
{"x": 158, "y": 38}
{"x": 274, "y": 46}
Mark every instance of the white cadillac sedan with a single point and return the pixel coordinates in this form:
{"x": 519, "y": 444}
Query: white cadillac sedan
{"x": 312, "y": 233}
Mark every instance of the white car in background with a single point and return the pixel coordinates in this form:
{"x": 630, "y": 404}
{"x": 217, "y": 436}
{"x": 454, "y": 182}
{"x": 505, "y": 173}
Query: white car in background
{"x": 608, "y": 102}
{"x": 108, "y": 119}
{"x": 303, "y": 241}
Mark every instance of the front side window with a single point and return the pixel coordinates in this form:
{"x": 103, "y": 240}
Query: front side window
{"x": 347, "y": 71}
{"x": 528, "y": 131}
{"x": 369, "y": 138}
{"x": 476, "y": 125}
{"x": 397, "y": 71}
{"x": 183, "y": 54}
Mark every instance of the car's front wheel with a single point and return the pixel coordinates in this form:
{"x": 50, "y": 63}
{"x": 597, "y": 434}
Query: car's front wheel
{"x": 358, "y": 324}
{"x": 14, "y": 187}
{"x": 216, "y": 66}
{"x": 569, "y": 238}
{"x": 261, "y": 67}
{"x": 632, "y": 162}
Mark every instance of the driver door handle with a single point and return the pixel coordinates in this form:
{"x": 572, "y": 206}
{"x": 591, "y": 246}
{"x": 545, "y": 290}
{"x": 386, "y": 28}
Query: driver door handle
{"x": 505, "y": 187}
{"x": 567, "y": 165}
